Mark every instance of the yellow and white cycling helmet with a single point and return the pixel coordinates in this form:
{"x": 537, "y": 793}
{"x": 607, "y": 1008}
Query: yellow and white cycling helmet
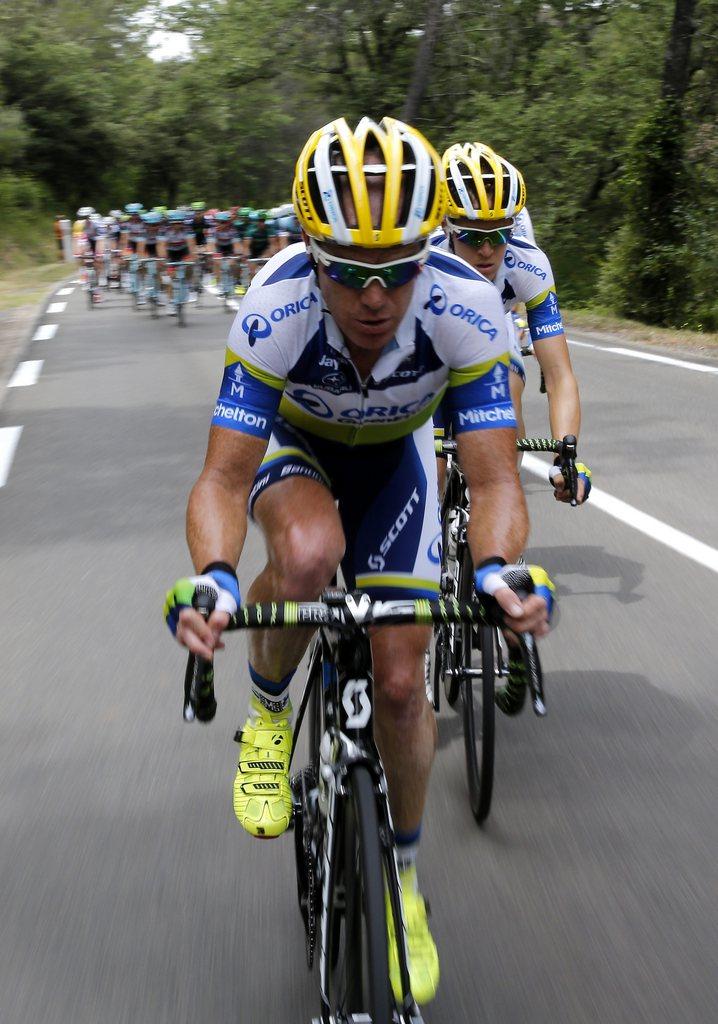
{"x": 481, "y": 184}
{"x": 331, "y": 184}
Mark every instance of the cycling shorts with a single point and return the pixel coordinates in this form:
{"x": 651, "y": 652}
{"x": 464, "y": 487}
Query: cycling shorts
{"x": 387, "y": 501}
{"x": 225, "y": 250}
{"x": 258, "y": 248}
{"x": 133, "y": 244}
{"x": 92, "y": 242}
{"x": 178, "y": 256}
{"x": 151, "y": 249}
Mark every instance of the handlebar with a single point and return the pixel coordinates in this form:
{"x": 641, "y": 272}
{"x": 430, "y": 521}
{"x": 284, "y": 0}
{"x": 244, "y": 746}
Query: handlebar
{"x": 351, "y": 612}
{"x": 347, "y": 612}
{"x": 565, "y": 449}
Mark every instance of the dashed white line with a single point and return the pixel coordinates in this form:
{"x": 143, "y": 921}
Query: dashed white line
{"x": 57, "y": 307}
{"x": 681, "y": 542}
{"x": 9, "y": 437}
{"x": 45, "y": 333}
{"x": 66, "y": 291}
{"x": 26, "y": 373}
{"x": 650, "y": 356}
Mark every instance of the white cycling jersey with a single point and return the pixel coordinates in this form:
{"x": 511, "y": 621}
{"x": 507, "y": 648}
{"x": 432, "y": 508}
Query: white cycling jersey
{"x": 523, "y": 227}
{"x": 369, "y": 442}
{"x": 524, "y": 276}
{"x": 287, "y": 355}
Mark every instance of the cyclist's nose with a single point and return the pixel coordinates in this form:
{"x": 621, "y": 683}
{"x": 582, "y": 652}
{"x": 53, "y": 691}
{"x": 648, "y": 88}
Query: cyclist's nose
{"x": 374, "y": 295}
{"x": 486, "y": 249}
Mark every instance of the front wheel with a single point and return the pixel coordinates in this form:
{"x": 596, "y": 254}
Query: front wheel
{"x": 477, "y": 692}
{"x": 357, "y": 946}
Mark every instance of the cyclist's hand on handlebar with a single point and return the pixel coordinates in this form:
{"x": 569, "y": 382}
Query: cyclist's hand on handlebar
{"x": 202, "y": 635}
{"x": 560, "y": 488}
{"x": 523, "y": 592}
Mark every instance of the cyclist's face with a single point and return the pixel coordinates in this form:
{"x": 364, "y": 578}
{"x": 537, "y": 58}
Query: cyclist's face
{"x": 367, "y": 317}
{"x": 487, "y": 259}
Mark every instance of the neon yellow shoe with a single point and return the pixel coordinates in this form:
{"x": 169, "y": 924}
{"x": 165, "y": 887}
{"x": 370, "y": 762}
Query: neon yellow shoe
{"x": 262, "y": 796}
{"x": 423, "y": 957}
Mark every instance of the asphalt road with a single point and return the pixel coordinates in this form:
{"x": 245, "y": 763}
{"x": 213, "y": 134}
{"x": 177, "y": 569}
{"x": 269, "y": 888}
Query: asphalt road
{"x": 129, "y": 894}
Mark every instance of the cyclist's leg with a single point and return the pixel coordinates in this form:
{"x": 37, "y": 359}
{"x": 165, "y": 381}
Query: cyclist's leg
{"x": 305, "y": 543}
{"x": 391, "y": 520}
{"x": 293, "y": 505}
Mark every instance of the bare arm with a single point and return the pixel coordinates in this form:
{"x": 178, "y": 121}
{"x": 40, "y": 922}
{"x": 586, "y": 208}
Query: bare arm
{"x": 217, "y": 508}
{"x": 217, "y": 523}
{"x": 499, "y": 518}
{"x": 564, "y": 407}
{"x": 499, "y": 521}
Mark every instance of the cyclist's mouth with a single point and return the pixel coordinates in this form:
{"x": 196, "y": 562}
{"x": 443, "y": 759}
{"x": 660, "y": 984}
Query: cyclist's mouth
{"x": 375, "y": 326}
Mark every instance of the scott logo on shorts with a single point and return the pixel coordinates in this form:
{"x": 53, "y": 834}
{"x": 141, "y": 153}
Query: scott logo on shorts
{"x": 256, "y": 327}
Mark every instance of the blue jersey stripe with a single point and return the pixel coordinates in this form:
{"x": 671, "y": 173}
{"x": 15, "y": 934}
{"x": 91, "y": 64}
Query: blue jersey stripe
{"x": 298, "y": 266}
{"x": 454, "y": 267}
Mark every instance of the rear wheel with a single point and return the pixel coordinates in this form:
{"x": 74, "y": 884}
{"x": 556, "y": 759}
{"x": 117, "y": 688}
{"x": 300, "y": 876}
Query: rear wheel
{"x": 477, "y": 701}
{"x": 357, "y": 938}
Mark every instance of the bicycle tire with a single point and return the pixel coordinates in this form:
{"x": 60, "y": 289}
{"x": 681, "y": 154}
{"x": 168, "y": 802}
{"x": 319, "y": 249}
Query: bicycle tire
{"x": 361, "y": 975}
{"x": 479, "y": 742}
{"x": 450, "y": 658}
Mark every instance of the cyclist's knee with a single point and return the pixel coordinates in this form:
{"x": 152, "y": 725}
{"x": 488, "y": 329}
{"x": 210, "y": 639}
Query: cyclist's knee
{"x": 307, "y": 558}
{"x": 399, "y": 671}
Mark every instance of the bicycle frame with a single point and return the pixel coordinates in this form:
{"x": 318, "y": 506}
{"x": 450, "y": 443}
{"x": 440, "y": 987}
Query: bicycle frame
{"x": 347, "y": 701}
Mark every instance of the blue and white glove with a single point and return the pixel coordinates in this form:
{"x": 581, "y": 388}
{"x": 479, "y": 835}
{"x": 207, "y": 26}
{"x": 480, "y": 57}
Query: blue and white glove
{"x": 522, "y": 579}
{"x": 218, "y": 581}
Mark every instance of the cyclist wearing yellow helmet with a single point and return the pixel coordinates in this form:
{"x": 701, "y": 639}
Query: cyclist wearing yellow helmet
{"x": 344, "y": 346}
{"x": 486, "y": 196}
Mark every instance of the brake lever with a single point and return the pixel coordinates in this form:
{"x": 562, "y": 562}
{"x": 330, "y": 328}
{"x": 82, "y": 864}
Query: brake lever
{"x": 568, "y": 466}
{"x": 199, "y": 699}
{"x": 535, "y": 674}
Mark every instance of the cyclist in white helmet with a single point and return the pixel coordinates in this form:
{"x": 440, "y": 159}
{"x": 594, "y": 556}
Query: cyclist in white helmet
{"x": 486, "y": 195}
{"x": 344, "y": 345}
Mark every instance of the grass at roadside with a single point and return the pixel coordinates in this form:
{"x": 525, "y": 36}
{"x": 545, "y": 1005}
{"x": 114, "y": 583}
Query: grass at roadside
{"x": 29, "y": 285}
{"x": 632, "y": 332}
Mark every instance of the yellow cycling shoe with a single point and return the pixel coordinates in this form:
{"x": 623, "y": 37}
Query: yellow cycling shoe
{"x": 423, "y": 957}
{"x": 262, "y": 795}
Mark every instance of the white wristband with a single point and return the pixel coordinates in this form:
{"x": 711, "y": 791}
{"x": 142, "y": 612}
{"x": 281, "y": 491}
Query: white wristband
{"x": 492, "y": 582}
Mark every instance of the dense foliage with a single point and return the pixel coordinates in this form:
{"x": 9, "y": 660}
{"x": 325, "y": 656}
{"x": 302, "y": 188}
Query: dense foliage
{"x": 622, "y": 171}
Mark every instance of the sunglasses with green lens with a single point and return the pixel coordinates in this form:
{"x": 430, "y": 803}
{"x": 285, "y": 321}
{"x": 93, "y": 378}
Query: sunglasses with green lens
{"x": 475, "y": 237}
{"x": 360, "y": 275}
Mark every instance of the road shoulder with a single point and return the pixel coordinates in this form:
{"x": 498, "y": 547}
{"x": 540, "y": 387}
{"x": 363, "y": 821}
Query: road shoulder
{"x": 17, "y": 326}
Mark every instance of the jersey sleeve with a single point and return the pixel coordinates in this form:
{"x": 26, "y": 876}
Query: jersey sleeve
{"x": 535, "y": 286}
{"x": 478, "y": 395}
{"x": 254, "y": 376}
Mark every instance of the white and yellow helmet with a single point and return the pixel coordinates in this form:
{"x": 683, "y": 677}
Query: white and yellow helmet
{"x": 414, "y": 200}
{"x": 482, "y": 185}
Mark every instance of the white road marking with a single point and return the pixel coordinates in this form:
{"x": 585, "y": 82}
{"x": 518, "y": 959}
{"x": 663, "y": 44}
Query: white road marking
{"x": 57, "y": 307}
{"x": 681, "y": 542}
{"x": 26, "y": 373}
{"x": 66, "y": 291}
{"x": 45, "y": 333}
{"x": 9, "y": 437}
{"x": 650, "y": 356}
